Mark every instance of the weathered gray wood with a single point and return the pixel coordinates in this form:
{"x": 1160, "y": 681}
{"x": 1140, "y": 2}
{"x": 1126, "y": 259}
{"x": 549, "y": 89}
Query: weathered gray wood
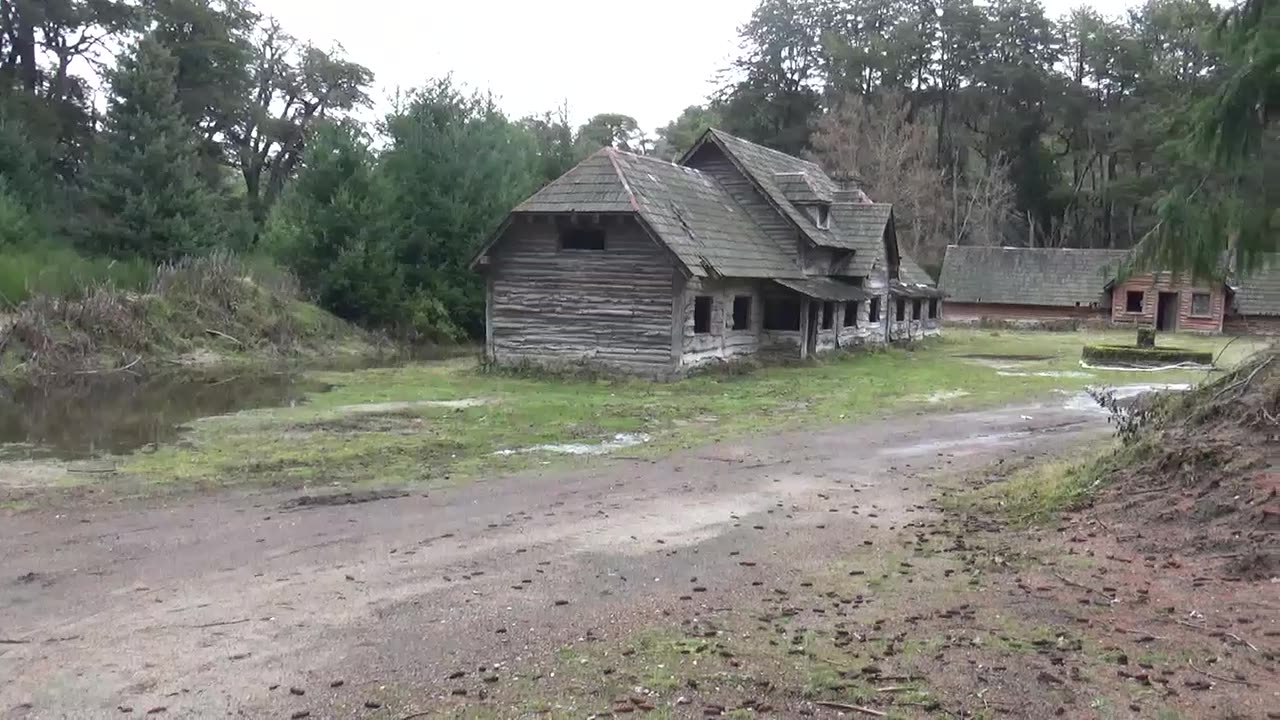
{"x": 610, "y": 307}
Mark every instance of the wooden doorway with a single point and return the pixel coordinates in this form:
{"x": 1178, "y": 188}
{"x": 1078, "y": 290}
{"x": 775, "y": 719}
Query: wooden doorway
{"x": 1167, "y": 312}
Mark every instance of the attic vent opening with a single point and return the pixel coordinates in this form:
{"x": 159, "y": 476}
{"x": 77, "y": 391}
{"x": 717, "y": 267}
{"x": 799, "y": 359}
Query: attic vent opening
{"x": 578, "y": 238}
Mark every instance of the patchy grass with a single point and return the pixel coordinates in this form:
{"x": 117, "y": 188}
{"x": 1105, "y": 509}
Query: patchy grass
{"x": 1036, "y": 493}
{"x": 329, "y": 441}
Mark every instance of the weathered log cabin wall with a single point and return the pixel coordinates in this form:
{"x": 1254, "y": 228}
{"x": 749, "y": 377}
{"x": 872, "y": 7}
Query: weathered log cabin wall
{"x": 1151, "y": 285}
{"x": 1029, "y": 315}
{"x": 1251, "y": 324}
{"x": 721, "y": 341}
{"x": 610, "y": 307}
{"x": 915, "y": 323}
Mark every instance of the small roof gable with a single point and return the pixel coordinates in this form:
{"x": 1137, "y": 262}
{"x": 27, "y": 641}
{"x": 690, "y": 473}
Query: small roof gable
{"x": 764, "y": 166}
{"x": 861, "y": 227}
{"x": 1258, "y": 292}
{"x": 800, "y": 189}
{"x": 699, "y": 221}
{"x": 1057, "y": 277}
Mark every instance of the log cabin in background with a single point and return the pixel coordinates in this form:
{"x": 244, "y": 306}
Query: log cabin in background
{"x": 637, "y": 264}
{"x": 1053, "y": 287}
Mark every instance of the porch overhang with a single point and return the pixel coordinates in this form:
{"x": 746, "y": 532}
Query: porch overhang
{"x": 824, "y": 288}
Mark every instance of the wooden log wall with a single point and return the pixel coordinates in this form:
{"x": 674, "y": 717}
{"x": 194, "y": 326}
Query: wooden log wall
{"x": 722, "y": 342}
{"x": 1151, "y": 285}
{"x": 611, "y": 307}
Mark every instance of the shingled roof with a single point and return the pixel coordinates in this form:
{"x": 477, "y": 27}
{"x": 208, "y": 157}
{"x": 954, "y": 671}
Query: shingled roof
{"x": 687, "y": 209}
{"x": 1258, "y": 293}
{"x": 860, "y": 227}
{"x": 800, "y": 189}
{"x": 1056, "y": 277}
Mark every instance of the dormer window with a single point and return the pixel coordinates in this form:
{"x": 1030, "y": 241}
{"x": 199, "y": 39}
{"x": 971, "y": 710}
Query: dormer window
{"x": 822, "y": 216}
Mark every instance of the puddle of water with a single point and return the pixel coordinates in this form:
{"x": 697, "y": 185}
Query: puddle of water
{"x": 102, "y": 415}
{"x": 618, "y": 442}
{"x": 1046, "y": 373}
{"x": 939, "y": 396}
{"x": 1082, "y": 401}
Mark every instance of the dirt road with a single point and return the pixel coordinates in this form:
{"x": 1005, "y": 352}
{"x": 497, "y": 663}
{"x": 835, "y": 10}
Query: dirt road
{"x": 246, "y": 606}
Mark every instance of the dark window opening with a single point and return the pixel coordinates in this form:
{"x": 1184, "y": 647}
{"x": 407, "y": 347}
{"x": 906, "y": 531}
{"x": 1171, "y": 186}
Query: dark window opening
{"x": 933, "y": 309}
{"x": 917, "y": 306}
{"x": 851, "y": 313}
{"x": 702, "y": 314}
{"x": 824, "y": 216}
{"x": 576, "y": 238}
{"x": 873, "y": 310}
{"x": 902, "y": 309}
{"x": 1200, "y": 304}
{"x": 1133, "y": 301}
{"x": 828, "y": 315}
{"x": 782, "y": 314}
{"x": 742, "y": 312}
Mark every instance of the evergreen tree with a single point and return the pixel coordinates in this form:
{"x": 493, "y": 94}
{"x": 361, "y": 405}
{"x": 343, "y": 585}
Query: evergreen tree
{"x": 145, "y": 193}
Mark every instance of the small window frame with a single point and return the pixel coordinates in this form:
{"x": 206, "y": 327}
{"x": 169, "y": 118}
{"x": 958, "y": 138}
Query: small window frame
{"x": 873, "y": 310}
{"x": 1129, "y": 296}
{"x": 828, "y": 315}
{"x": 1208, "y": 304}
{"x": 850, "y": 314}
{"x": 703, "y": 309}
{"x": 933, "y": 308}
{"x": 741, "y": 319}
{"x": 917, "y": 309}
{"x": 822, "y": 216}
{"x": 900, "y": 312}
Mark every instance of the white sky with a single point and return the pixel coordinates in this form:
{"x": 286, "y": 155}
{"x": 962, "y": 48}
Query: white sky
{"x": 648, "y": 59}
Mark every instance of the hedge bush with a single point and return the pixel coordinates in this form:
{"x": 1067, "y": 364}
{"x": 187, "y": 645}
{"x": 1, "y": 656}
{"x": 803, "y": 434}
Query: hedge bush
{"x": 1131, "y": 355}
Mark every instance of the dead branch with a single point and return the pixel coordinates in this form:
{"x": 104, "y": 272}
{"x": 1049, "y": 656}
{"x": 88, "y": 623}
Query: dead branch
{"x": 843, "y": 706}
{"x": 12, "y": 641}
{"x": 1240, "y": 640}
{"x": 1075, "y": 584}
{"x": 221, "y": 623}
{"x": 1219, "y": 677}
{"x": 894, "y": 688}
{"x": 1243, "y": 384}
{"x": 114, "y": 370}
{"x": 223, "y": 335}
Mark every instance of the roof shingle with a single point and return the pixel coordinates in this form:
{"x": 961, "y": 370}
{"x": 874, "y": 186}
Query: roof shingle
{"x": 1258, "y": 292}
{"x": 1057, "y": 277}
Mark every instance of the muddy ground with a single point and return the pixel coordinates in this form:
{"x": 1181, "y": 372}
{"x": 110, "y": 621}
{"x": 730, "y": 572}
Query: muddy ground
{"x": 780, "y": 576}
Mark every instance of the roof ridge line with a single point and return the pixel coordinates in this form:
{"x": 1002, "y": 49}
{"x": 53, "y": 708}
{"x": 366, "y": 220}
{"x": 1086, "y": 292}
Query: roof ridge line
{"x": 622, "y": 178}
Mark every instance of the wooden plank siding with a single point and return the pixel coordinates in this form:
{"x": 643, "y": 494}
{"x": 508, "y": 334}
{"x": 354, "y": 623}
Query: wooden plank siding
{"x": 611, "y": 307}
{"x": 1251, "y": 325}
{"x": 1028, "y": 314}
{"x": 721, "y": 342}
{"x": 711, "y": 160}
{"x": 1151, "y": 285}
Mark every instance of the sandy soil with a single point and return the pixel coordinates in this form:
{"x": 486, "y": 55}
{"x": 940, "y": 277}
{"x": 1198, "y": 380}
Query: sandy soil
{"x": 254, "y": 606}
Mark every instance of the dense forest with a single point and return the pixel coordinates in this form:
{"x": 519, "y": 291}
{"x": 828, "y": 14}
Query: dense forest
{"x": 139, "y": 132}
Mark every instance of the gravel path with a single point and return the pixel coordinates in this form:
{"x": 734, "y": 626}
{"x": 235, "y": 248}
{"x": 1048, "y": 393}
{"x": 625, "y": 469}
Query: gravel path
{"x": 260, "y": 607}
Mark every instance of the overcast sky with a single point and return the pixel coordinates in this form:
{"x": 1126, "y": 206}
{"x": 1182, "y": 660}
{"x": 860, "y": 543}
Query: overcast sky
{"x": 649, "y": 59}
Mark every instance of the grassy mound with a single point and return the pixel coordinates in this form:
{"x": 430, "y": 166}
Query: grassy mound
{"x": 1150, "y": 357}
{"x": 210, "y": 307}
{"x": 1199, "y": 467}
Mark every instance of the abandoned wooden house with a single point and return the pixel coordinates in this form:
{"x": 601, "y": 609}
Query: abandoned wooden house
{"x": 1054, "y": 286}
{"x": 635, "y": 263}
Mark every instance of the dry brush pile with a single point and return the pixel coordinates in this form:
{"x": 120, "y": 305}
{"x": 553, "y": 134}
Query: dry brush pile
{"x": 191, "y": 304}
{"x": 1203, "y": 468}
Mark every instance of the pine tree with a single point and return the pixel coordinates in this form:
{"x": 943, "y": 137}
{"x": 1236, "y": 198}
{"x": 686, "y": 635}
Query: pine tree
{"x": 146, "y": 195}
